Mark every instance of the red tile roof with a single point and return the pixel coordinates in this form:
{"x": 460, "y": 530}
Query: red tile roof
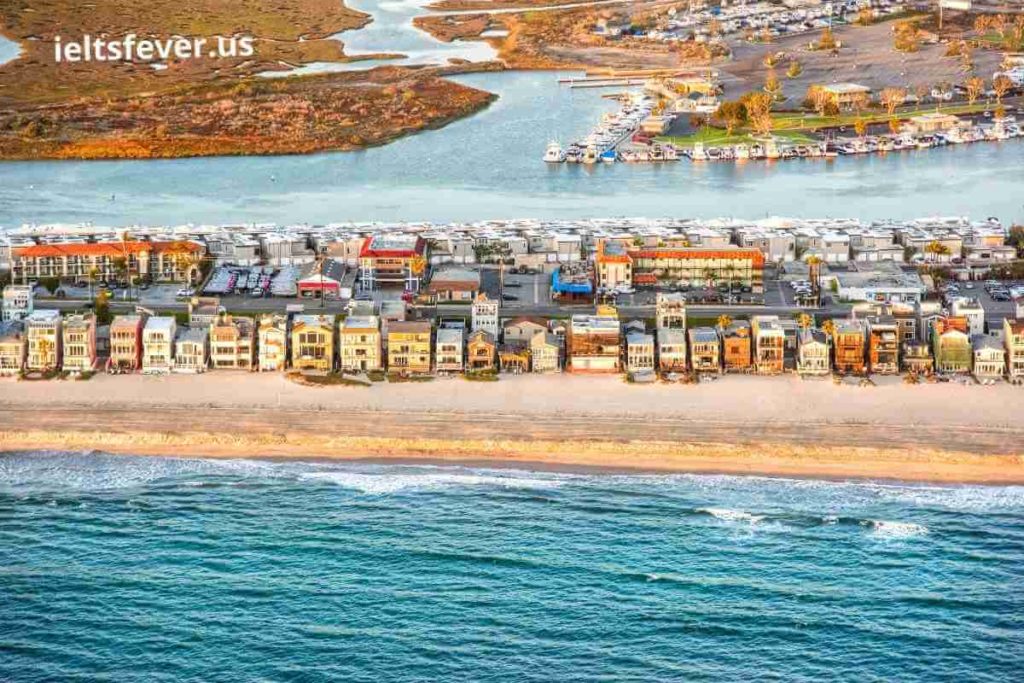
{"x": 112, "y": 249}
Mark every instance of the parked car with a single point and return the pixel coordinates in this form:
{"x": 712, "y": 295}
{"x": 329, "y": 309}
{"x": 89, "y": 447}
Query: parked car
{"x": 184, "y": 293}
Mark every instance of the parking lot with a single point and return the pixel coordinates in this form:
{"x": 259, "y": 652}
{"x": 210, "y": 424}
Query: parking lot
{"x": 521, "y": 289}
{"x": 995, "y": 310}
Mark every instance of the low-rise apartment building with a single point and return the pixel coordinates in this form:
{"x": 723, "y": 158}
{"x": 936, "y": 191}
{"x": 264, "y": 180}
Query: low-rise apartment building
{"x": 883, "y": 346}
{"x": 17, "y": 303}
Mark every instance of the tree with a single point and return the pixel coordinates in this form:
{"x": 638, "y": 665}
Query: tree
{"x": 730, "y": 114}
{"x": 936, "y": 249}
{"x": 1001, "y": 85}
{"x": 759, "y": 111}
{"x": 829, "y": 327}
{"x": 822, "y": 101}
{"x": 794, "y": 69}
{"x": 827, "y": 40}
{"x": 50, "y": 283}
{"x": 724, "y": 321}
{"x": 860, "y": 127}
{"x": 1016, "y": 239}
{"x": 101, "y": 306}
{"x": 895, "y": 126}
{"x": 892, "y": 98}
{"x": 804, "y": 321}
{"x": 975, "y": 87}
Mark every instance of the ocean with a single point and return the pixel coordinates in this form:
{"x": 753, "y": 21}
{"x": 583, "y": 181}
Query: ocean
{"x": 158, "y": 569}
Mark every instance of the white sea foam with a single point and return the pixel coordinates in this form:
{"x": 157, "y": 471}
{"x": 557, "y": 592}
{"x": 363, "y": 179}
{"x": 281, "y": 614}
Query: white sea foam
{"x": 385, "y": 483}
{"x": 888, "y": 529}
{"x": 830, "y": 519}
{"x": 731, "y": 515}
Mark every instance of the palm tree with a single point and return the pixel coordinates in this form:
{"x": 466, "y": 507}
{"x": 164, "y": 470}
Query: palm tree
{"x": 936, "y": 249}
{"x": 804, "y": 321}
{"x": 829, "y": 328}
{"x": 724, "y": 321}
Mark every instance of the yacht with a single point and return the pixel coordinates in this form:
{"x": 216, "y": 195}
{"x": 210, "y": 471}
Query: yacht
{"x": 554, "y": 153}
{"x": 742, "y": 151}
{"x": 590, "y": 154}
{"x": 608, "y": 156}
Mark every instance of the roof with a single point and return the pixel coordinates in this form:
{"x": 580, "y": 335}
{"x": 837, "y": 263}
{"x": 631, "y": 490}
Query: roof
{"x": 812, "y": 335}
{"x": 191, "y": 334}
{"x": 523, "y": 320}
{"x": 160, "y": 323}
{"x": 125, "y": 321}
{"x": 483, "y": 335}
{"x": 754, "y": 254}
{"x": 360, "y": 322}
{"x": 846, "y": 88}
{"x": 111, "y": 249}
{"x": 671, "y": 336}
{"x": 12, "y": 330}
{"x": 610, "y": 251}
{"x": 331, "y": 269}
{"x": 982, "y": 342}
{"x": 408, "y": 327}
{"x": 639, "y": 338}
{"x": 703, "y": 335}
{"x": 459, "y": 279}
{"x": 392, "y": 245}
{"x": 310, "y": 320}
{"x": 449, "y": 335}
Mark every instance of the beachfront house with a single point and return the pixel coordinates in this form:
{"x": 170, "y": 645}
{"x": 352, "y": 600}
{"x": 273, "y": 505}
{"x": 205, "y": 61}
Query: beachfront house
{"x": 272, "y": 343}
{"x": 972, "y": 310}
{"x": 12, "y": 347}
{"x": 409, "y": 347}
{"x": 485, "y": 315}
{"x": 705, "y": 349}
{"x": 670, "y": 311}
{"x": 813, "y": 352}
{"x": 43, "y": 332}
{"x": 514, "y": 359}
{"x": 203, "y": 311}
{"x": 522, "y": 330}
{"x": 359, "y": 344}
{"x": 232, "y": 343}
{"x": 313, "y": 343}
{"x": 545, "y": 353}
{"x": 449, "y": 351}
{"x": 916, "y": 357}
{"x": 989, "y": 357}
{"x": 639, "y": 352}
{"x": 737, "y": 346}
{"x": 883, "y": 346}
{"x": 79, "y": 342}
{"x": 158, "y": 344}
{"x": 769, "y": 344}
{"x": 1013, "y": 338}
{"x": 671, "y": 349}
{"x": 480, "y": 351}
{"x": 951, "y": 345}
{"x": 593, "y": 342}
{"x": 848, "y": 344}
{"x": 192, "y": 349}
{"x": 126, "y": 343}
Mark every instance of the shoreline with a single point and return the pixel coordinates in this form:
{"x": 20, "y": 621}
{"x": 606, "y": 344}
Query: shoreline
{"x": 609, "y": 457}
{"x": 738, "y": 425}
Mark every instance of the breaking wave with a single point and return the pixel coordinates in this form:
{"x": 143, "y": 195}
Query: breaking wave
{"x": 728, "y": 515}
{"x": 386, "y": 483}
{"x": 888, "y": 529}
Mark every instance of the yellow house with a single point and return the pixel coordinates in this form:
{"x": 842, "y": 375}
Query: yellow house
{"x": 232, "y": 343}
{"x": 313, "y": 343}
{"x": 12, "y": 347}
{"x": 273, "y": 343}
{"x": 409, "y": 347}
{"x": 359, "y": 343}
{"x": 43, "y": 331}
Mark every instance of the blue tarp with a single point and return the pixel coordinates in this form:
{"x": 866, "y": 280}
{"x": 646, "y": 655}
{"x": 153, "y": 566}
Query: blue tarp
{"x": 570, "y": 287}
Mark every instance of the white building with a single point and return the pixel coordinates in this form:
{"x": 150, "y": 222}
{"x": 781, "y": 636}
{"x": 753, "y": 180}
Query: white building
{"x": 485, "y": 315}
{"x": 158, "y": 344}
{"x": 18, "y": 302}
{"x": 973, "y": 311}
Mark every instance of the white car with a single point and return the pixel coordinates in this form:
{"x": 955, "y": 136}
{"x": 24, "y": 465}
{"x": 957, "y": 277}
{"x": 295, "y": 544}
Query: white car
{"x": 184, "y": 293}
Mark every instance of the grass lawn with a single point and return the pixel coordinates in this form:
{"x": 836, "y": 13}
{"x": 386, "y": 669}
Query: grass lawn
{"x": 718, "y": 137}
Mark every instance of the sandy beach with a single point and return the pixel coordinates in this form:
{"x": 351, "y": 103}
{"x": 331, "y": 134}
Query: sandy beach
{"x": 752, "y": 425}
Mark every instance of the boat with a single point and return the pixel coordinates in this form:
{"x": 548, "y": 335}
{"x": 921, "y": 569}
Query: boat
{"x": 608, "y": 156}
{"x": 590, "y": 155}
{"x": 698, "y": 153}
{"x": 671, "y": 154}
{"x": 742, "y": 151}
{"x": 554, "y": 153}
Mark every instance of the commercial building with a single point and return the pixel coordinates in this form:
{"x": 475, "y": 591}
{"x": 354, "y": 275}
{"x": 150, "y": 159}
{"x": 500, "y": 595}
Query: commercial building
{"x": 393, "y": 260}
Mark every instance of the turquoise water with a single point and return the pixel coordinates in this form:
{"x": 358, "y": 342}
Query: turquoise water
{"x": 148, "y": 569}
{"x": 488, "y": 166}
